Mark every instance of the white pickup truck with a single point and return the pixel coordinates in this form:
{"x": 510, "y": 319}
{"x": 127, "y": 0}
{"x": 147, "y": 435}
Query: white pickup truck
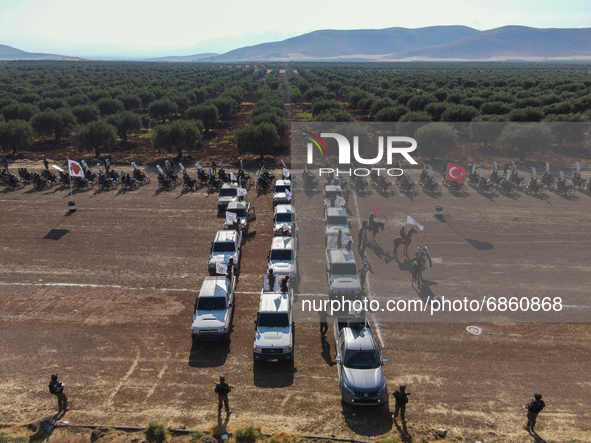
{"x": 214, "y": 308}
{"x": 273, "y": 333}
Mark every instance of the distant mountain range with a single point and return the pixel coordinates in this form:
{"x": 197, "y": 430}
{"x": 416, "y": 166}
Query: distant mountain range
{"x": 183, "y": 58}
{"x": 10, "y": 53}
{"x": 430, "y": 44}
{"x": 435, "y": 43}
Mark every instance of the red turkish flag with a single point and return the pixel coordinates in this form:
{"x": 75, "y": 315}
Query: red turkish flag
{"x": 75, "y": 169}
{"x": 455, "y": 173}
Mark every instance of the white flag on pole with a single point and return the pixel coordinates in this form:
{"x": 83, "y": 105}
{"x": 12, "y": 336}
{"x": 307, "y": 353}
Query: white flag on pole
{"x": 473, "y": 167}
{"x": 496, "y": 167}
{"x": 57, "y": 167}
{"x": 286, "y": 173}
{"x": 231, "y": 217}
{"x": 221, "y": 268}
{"x": 412, "y": 221}
{"x": 430, "y": 172}
{"x": 534, "y": 172}
{"x": 283, "y": 164}
{"x": 428, "y": 256}
{"x": 288, "y": 194}
{"x": 561, "y": 175}
{"x": 514, "y": 167}
{"x": 578, "y": 167}
{"x": 233, "y": 177}
{"x": 508, "y": 175}
{"x": 134, "y": 166}
{"x": 199, "y": 167}
{"x": 241, "y": 192}
{"x": 160, "y": 169}
{"x": 480, "y": 173}
{"x": 75, "y": 169}
{"x": 181, "y": 166}
{"x": 241, "y": 167}
{"x": 547, "y": 167}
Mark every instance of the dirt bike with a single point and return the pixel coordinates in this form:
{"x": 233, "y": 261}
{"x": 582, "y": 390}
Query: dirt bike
{"x": 578, "y": 181}
{"x": 141, "y": 177}
{"x": 359, "y": 184}
{"x": 81, "y": 183}
{"x": 430, "y": 185}
{"x": 508, "y": 187}
{"x": 309, "y": 182}
{"x": 517, "y": 180}
{"x": 25, "y": 175}
{"x": 48, "y": 175}
{"x": 13, "y": 182}
{"x": 189, "y": 182}
{"x": 40, "y": 182}
{"x": 562, "y": 188}
{"x": 166, "y": 182}
{"x": 496, "y": 178}
{"x": 454, "y": 187}
{"x": 486, "y": 186}
{"x": 245, "y": 179}
{"x": 106, "y": 183}
{"x": 535, "y": 187}
{"x": 548, "y": 180}
{"x": 422, "y": 177}
{"x": 128, "y": 182}
{"x": 264, "y": 183}
{"x": 383, "y": 185}
{"x": 404, "y": 178}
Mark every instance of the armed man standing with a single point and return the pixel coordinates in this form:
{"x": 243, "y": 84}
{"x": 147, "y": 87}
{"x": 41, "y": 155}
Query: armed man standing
{"x": 534, "y": 407}
{"x": 401, "y": 397}
{"x": 56, "y": 387}
{"x": 222, "y": 389}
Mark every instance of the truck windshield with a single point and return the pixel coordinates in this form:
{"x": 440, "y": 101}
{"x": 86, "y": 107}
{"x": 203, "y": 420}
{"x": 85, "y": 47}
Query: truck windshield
{"x": 343, "y": 269}
{"x": 281, "y": 254}
{"x": 211, "y": 304}
{"x": 224, "y": 246}
{"x": 362, "y": 359}
{"x": 283, "y": 218}
{"x": 329, "y": 194}
{"x": 336, "y": 220}
{"x": 282, "y": 188}
{"x": 273, "y": 320}
{"x": 228, "y": 193}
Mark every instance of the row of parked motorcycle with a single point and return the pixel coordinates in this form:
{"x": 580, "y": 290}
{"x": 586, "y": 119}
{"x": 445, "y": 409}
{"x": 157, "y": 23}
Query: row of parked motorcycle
{"x": 46, "y": 179}
{"x": 213, "y": 178}
{"x": 510, "y": 182}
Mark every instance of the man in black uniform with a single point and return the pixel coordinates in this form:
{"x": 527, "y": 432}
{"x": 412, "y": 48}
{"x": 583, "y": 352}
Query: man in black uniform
{"x": 230, "y": 267}
{"x": 284, "y": 284}
{"x": 56, "y": 387}
{"x": 222, "y": 389}
{"x": 46, "y": 164}
{"x": 534, "y": 407}
{"x": 213, "y": 168}
{"x": 401, "y": 397}
{"x": 271, "y": 279}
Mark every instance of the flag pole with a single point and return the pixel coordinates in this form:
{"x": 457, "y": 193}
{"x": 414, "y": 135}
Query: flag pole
{"x": 70, "y": 175}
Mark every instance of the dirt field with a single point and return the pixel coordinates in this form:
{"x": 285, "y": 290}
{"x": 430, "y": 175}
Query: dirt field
{"x": 104, "y": 297}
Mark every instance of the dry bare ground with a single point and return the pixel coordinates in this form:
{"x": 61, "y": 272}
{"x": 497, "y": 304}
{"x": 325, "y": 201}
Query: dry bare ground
{"x": 104, "y": 297}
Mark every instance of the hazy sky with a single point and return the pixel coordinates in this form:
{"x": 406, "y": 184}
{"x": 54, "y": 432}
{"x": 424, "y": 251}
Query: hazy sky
{"x": 142, "y": 28}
